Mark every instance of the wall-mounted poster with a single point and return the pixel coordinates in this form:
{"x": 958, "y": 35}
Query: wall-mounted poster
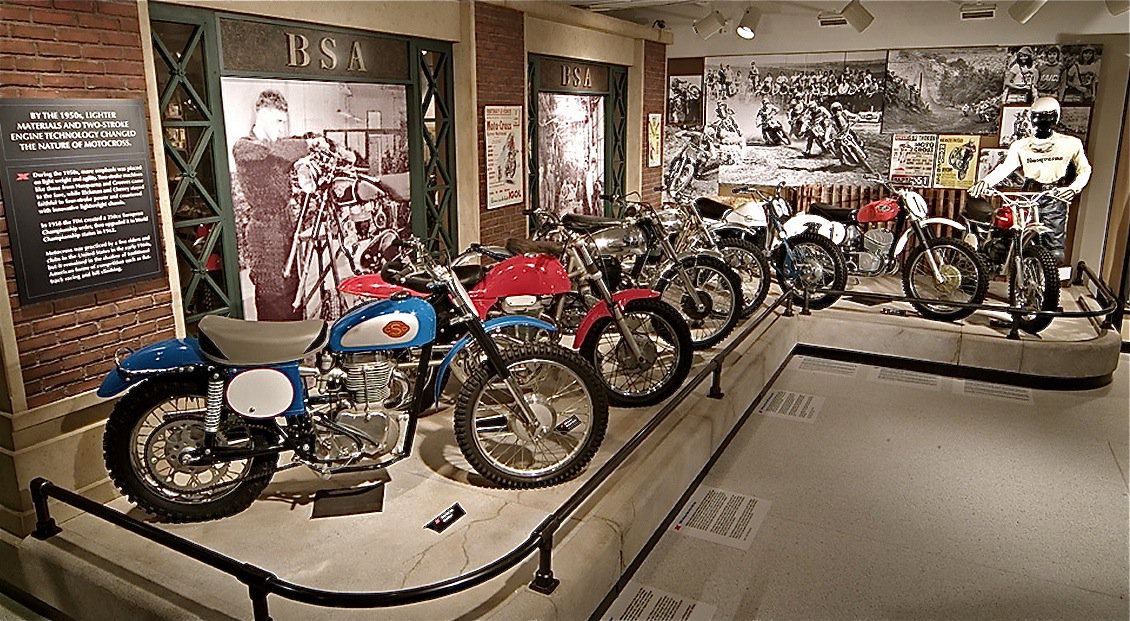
{"x": 797, "y": 119}
{"x": 956, "y": 166}
{"x": 299, "y": 233}
{"x": 684, "y": 100}
{"x": 1074, "y": 121}
{"x": 654, "y": 140}
{"x": 1080, "y": 79}
{"x": 1014, "y": 125}
{"x": 944, "y": 90}
{"x": 989, "y": 159}
{"x": 912, "y": 159}
{"x": 505, "y": 168}
{"x": 571, "y": 153}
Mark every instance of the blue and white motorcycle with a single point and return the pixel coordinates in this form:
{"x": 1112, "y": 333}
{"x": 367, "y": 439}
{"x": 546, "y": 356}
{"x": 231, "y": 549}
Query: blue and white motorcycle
{"x": 199, "y": 433}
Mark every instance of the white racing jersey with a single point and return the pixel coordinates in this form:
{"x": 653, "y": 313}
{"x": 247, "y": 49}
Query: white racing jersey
{"x": 1044, "y": 160}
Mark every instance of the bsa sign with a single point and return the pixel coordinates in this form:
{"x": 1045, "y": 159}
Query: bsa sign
{"x": 273, "y": 49}
{"x": 572, "y": 77}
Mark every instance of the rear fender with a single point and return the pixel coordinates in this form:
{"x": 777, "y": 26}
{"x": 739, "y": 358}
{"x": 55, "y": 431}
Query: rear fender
{"x": 492, "y": 325}
{"x": 728, "y": 231}
{"x": 600, "y": 311}
{"x": 171, "y": 356}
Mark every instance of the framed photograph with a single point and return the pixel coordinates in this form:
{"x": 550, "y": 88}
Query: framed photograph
{"x": 1074, "y": 121}
{"x": 953, "y": 90}
{"x": 1014, "y": 125}
{"x": 1080, "y": 79}
{"x": 505, "y": 169}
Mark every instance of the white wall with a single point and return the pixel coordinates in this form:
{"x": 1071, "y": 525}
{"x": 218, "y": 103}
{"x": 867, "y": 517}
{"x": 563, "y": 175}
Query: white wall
{"x": 936, "y": 23}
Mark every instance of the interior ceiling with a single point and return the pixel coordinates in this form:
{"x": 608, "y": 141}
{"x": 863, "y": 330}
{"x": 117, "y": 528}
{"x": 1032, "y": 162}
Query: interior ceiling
{"x": 685, "y": 12}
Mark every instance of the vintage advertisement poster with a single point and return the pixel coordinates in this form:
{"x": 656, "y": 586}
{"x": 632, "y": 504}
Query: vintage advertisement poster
{"x": 956, "y": 166}
{"x": 654, "y": 140}
{"x": 945, "y": 90}
{"x": 912, "y": 159}
{"x": 300, "y": 229}
{"x": 504, "y": 157}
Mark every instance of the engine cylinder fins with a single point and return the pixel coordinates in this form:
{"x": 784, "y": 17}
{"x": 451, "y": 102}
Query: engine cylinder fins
{"x": 369, "y": 380}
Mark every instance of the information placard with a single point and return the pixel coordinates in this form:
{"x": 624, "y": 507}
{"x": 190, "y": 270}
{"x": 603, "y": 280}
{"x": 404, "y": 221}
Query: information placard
{"x": 78, "y": 194}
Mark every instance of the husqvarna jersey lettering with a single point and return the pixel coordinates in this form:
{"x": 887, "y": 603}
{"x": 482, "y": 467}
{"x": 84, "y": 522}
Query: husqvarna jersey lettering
{"x": 1045, "y": 161}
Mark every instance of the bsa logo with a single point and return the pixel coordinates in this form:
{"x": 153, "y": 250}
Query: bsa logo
{"x": 396, "y": 329}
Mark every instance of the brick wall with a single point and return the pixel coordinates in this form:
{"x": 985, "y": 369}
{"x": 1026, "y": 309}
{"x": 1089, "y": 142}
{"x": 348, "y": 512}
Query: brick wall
{"x": 654, "y": 98}
{"x": 76, "y": 49}
{"x": 500, "y": 63}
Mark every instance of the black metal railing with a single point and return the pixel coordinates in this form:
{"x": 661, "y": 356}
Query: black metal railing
{"x": 262, "y": 583}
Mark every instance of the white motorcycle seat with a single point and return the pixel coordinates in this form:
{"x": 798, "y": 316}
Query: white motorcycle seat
{"x": 251, "y": 343}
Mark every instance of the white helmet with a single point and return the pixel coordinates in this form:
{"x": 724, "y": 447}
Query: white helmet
{"x": 1045, "y": 110}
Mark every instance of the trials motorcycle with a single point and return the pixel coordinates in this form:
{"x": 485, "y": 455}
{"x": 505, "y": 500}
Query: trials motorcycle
{"x": 1008, "y": 239}
{"x": 937, "y": 268}
{"x": 640, "y": 345}
{"x": 199, "y": 433}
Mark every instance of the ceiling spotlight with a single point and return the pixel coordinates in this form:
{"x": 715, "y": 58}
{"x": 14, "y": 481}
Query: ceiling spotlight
{"x": 1024, "y": 10}
{"x": 859, "y": 17}
{"x": 747, "y": 28}
{"x": 1117, "y": 7}
{"x": 710, "y": 25}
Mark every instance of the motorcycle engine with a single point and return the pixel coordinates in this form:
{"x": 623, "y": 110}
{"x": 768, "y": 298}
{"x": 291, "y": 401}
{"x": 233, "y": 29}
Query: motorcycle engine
{"x": 878, "y": 241}
{"x": 368, "y": 422}
{"x": 530, "y": 305}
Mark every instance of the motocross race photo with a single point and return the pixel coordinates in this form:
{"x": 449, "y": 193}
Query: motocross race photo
{"x": 944, "y": 90}
{"x": 320, "y": 189}
{"x": 684, "y": 100}
{"x": 571, "y": 153}
{"x": 796, "y": 119}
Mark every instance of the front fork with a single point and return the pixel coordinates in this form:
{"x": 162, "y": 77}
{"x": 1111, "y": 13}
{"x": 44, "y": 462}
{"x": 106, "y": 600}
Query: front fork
{"x": 939, "y": 278}
{"x": 494, "y": 359}
{"x": 594, "y": 276}
{"x": 684, "y": 277}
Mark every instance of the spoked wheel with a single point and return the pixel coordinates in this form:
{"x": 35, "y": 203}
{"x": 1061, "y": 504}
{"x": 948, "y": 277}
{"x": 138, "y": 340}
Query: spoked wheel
{"x": 752, "y": 267}
{"x": 963, "y": 278}
{"x": 716, "y": 286}
{"x": 149, "y": 438}
{"x": 664, "y": 340}
{"x": 1036, "y": 288}
{"x": 817, "y": 263}
{"x": 471, "y": 358}
{"x": 569, "y": 409}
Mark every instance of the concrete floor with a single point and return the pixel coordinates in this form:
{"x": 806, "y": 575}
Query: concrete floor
{"x": 913, "y": 496}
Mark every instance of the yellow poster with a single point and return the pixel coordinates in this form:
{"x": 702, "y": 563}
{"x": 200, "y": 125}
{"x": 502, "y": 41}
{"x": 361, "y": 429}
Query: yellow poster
{"x": 956, "y": 164}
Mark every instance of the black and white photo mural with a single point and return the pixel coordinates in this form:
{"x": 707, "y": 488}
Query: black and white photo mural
{"x": 684, "y": 100}
{"x": 571, "y": 153}
{"x": 320, "y": 188}
{"x": 945, "y": 90}
{"x": 798, "y": 119}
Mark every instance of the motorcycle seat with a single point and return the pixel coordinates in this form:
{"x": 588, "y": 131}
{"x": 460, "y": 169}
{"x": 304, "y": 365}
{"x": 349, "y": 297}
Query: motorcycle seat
{"x": 517, "y": 245}
{"x": 579, "y": 222}
{"x": 468, "y": 275}
{"x": 835, "y": 214}
{"x": 252, "y": 343}
{"x": 978, "y": 209}
{"x": 711, "y": 209}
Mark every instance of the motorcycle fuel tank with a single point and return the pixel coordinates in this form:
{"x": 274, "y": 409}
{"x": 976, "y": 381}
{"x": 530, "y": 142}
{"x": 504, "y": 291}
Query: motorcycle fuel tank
{"x": 883, "y": 210}
{"x": 620, "y": 240}
{"x": 387, "y": 324}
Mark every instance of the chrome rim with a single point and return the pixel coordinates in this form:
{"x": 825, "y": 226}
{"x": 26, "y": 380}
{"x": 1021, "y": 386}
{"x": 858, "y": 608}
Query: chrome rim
{"x": 621, "y": 371}
{"x": 959, "y": 276}
{"x": 713, "y": 286}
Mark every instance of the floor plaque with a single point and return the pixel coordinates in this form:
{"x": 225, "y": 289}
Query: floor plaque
{"x": 911, "y": 378}
{"x": 1000, "y": 392}
{"x": 823, "y": 365}
{"x": 722, "y": 517}
{"x": 791, "y": 405}
{"x": 638, "y": 602}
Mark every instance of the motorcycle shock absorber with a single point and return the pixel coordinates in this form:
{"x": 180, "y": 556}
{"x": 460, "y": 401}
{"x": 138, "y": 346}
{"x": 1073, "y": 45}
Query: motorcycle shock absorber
{"x": 213, "y": 405}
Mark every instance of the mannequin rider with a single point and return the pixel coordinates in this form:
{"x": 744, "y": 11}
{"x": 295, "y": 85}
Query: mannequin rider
{"x": 1049, "y": 161}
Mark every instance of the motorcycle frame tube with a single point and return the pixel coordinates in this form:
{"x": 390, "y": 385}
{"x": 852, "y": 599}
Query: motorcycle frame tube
{"x": 172, "y": 355}
{"x": 602, "y": 310}
{"x": 481, "y": 332}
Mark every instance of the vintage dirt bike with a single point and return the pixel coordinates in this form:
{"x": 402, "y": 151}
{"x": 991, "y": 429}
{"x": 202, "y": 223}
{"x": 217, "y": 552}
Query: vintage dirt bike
{"x": 875, "y": 237}
{"x": 774, "y": 133}
{"x": 847, "y": 148}
{"x": 688, "y": 231}
{"x": 637, "y": 251}
{"x": 347, "y": 220}
{"x": 692, "y": 161}
{"x": 806, "y": 261}
{"x": 199, "y": 433}
{"x": 640, "y": 346}
{"x": 1008, "y": 239}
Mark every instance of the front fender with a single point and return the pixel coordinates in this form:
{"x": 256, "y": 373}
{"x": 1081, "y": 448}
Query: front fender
{"x": 601, "y": 309}
{"x": 492, "y": 325}
{"x": 173, "y": 355}
{"x": 925, "y": 223}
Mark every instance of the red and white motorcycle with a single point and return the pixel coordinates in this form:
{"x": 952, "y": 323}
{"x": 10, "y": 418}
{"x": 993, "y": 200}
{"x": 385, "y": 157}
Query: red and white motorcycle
{"x": 875, "y": 236}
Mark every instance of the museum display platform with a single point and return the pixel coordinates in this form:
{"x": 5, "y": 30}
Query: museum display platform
{"x": 93, "y": 570}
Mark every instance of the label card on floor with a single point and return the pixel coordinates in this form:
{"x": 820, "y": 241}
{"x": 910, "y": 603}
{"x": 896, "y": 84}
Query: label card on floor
{"x": 999, "y": 392}
{"x": 823, "y": 365}
{"x": 791, "y": 405}
{"x": 639, "y": 603}
{"x": 912, "y": 378}
{"x": 722, "y": 517}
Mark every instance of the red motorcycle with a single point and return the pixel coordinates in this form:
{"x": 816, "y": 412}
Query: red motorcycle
{"x": 640, "y": 345}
